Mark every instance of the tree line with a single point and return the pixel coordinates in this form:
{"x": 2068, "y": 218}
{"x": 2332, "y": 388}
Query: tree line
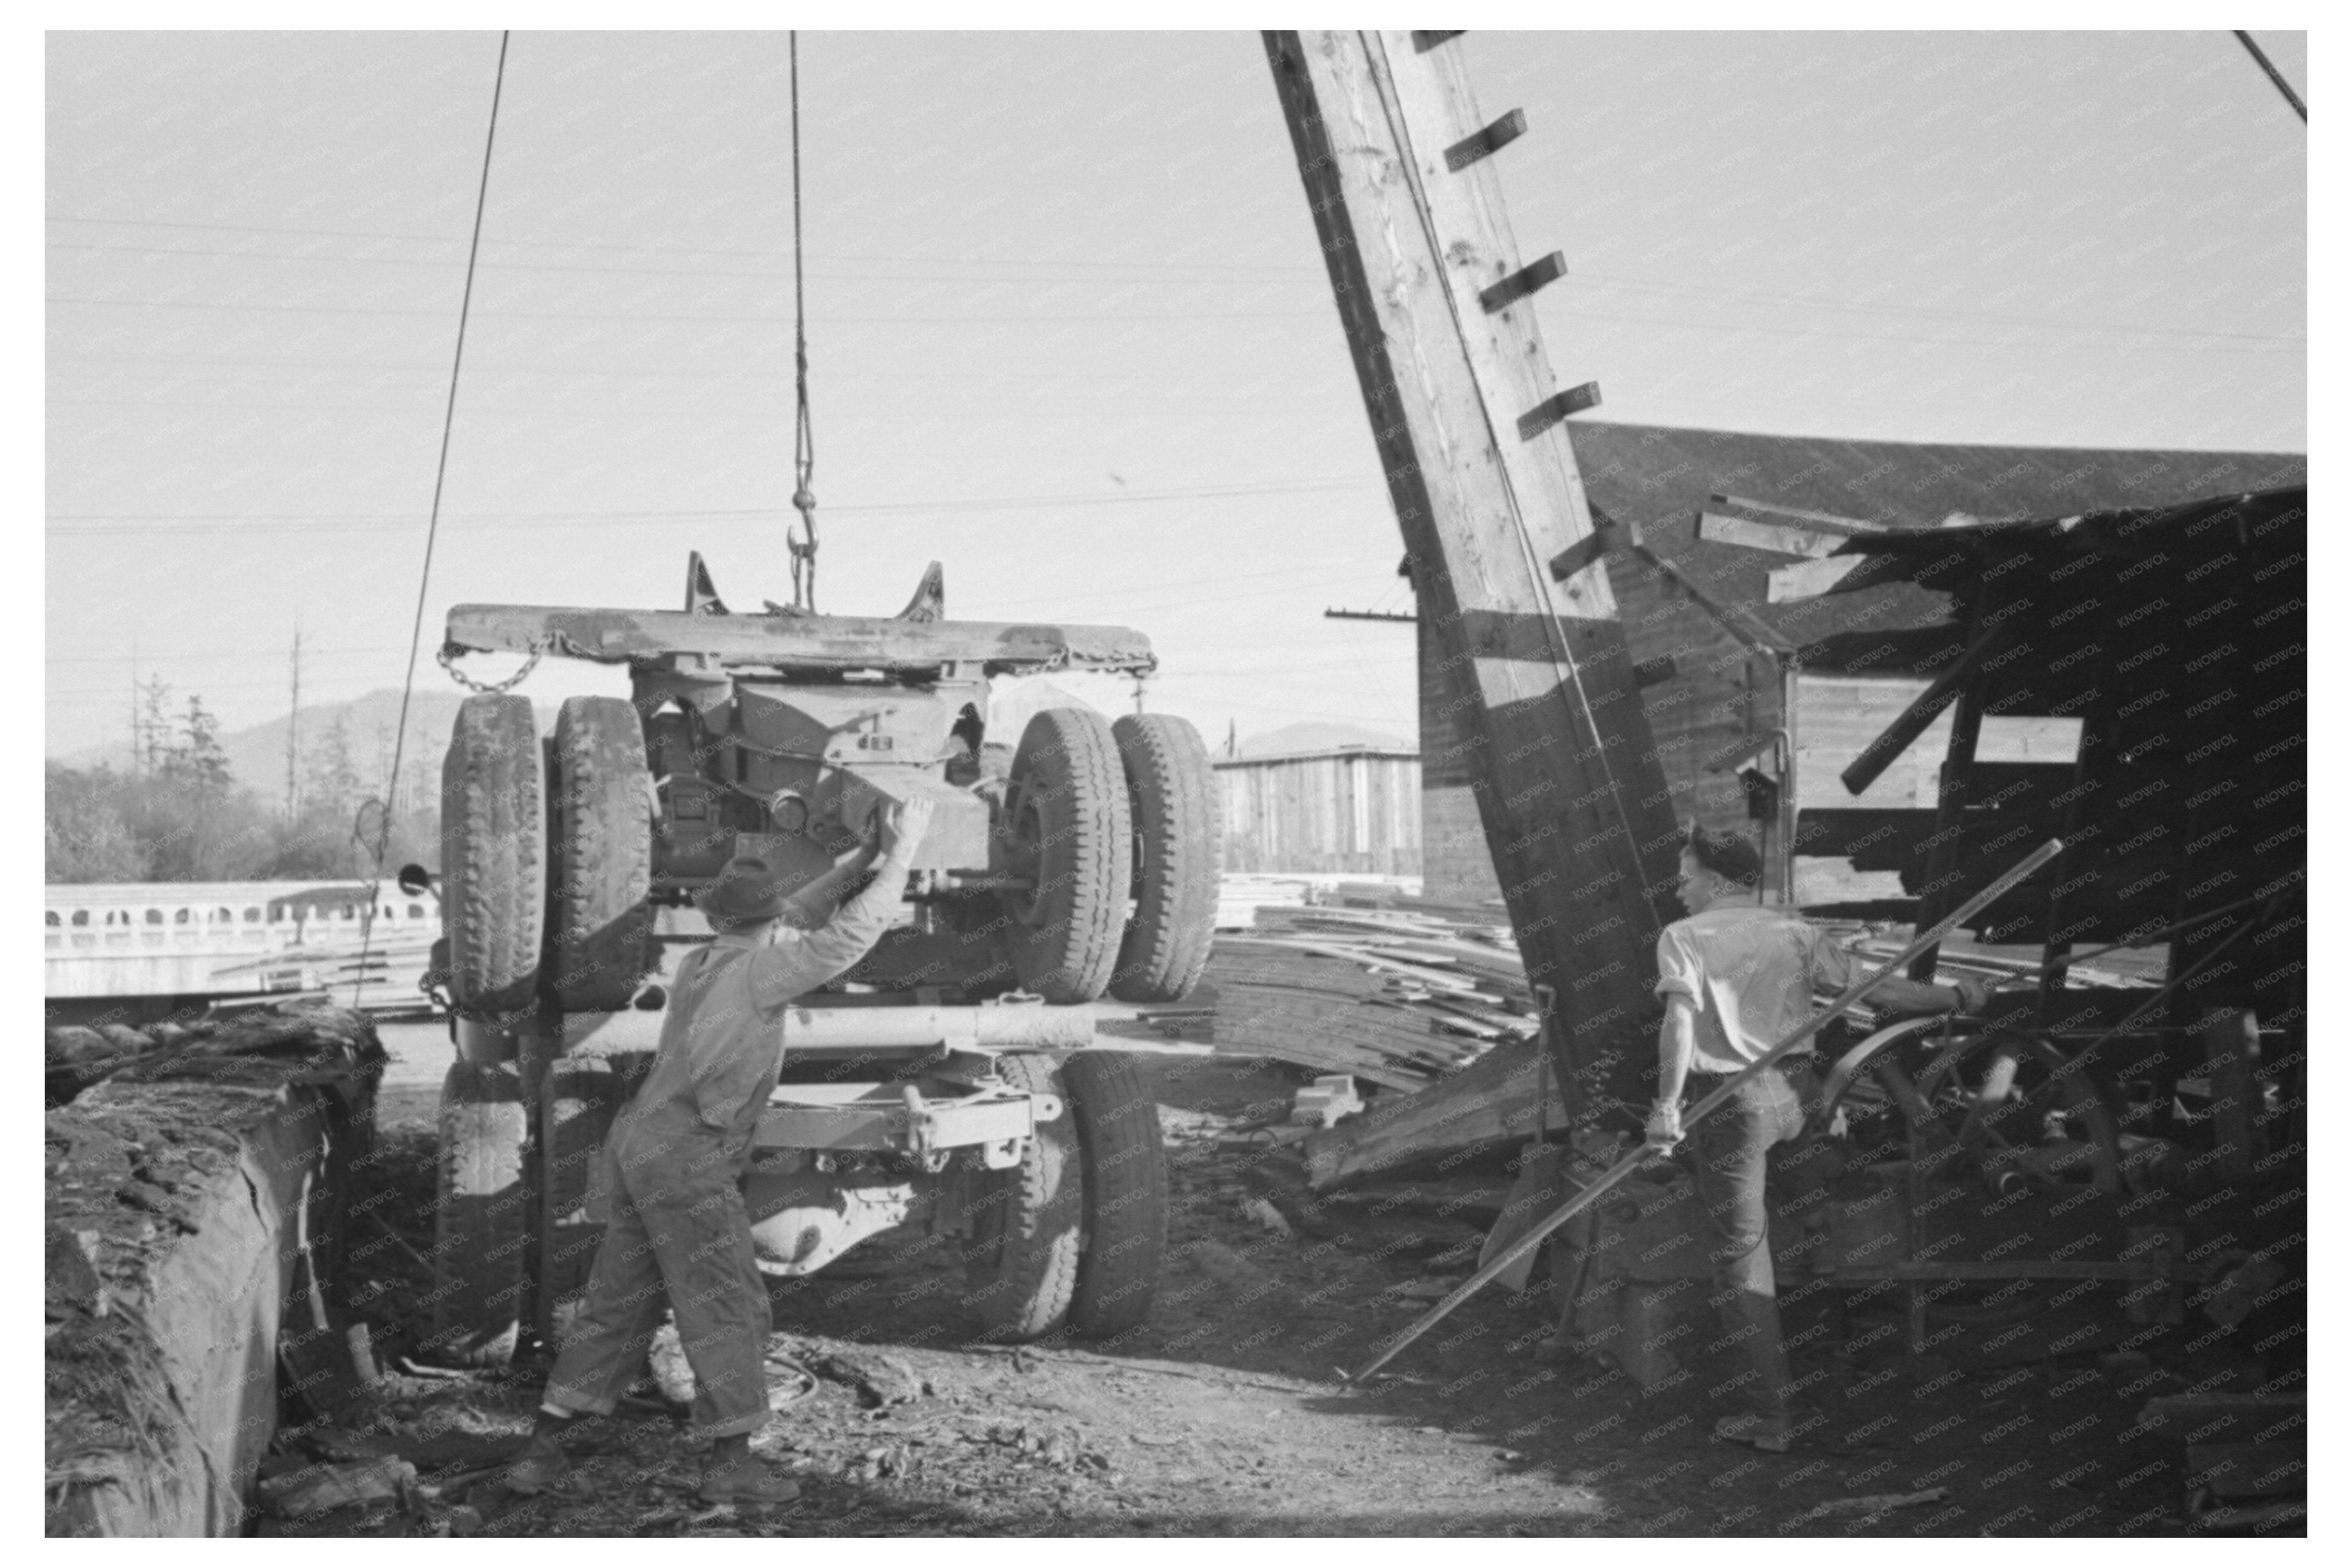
{"x": 177, "y": 812}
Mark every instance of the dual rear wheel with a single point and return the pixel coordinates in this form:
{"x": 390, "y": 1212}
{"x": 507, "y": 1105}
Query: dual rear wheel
{"x": 546, "y": 869}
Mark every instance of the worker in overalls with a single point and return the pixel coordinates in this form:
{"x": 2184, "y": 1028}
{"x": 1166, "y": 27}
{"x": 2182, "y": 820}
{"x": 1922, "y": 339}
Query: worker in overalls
{"x": 678, "y": 1234}
{"x": 1737, "y": 977}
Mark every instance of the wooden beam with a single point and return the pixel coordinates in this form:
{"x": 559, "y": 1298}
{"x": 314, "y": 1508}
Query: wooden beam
{"x": 834, "y": 641}
{"x": 1913, "y": 721}
{"x": 1787, "y": 539}
{"x": 1572, "y": 796}
{"x": 1829, "y": 520}
{"x": 1808, "y": 580}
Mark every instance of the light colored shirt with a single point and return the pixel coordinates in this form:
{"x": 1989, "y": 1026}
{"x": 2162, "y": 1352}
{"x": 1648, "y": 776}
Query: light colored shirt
{"x": 722, "y": 1036}
{"x": 1749, "y": 972}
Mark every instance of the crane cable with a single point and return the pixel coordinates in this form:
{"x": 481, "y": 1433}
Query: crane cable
{"x": 433, "y": 525}
{"x": 2294, "y": 101}
{"x": 803, "y": 546}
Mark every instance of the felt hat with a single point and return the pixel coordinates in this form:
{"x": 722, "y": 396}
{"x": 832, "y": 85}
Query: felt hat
{"x": 746, "y": 892}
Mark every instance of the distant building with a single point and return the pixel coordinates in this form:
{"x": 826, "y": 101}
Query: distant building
{"x": 1344, "y": 808}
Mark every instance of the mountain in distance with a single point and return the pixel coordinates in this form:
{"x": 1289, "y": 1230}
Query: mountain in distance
{"x": 256, "y": 755}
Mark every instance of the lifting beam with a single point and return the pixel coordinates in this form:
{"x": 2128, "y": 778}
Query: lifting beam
{"x": 1399, "y": 166}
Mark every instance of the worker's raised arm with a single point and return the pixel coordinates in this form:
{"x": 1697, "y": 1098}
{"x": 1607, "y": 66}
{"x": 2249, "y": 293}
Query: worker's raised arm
{"x": 799, "y": 961}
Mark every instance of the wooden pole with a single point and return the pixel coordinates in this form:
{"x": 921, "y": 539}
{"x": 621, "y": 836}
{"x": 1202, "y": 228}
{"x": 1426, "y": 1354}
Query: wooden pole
{"x": 1397, "y": 161}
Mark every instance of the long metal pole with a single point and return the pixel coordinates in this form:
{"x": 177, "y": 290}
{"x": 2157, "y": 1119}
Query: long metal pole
{"x": 1635, "y": 1161}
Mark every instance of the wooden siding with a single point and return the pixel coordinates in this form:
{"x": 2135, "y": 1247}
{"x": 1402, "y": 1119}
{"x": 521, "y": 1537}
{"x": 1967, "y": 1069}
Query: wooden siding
{"x": 1353, "y": 810}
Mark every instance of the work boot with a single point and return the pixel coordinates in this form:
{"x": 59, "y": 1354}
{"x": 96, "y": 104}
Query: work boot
{"x": 540, "y": 1464}
{"x": 745, "y": 1480}
{"x": 1770, "y": 1433}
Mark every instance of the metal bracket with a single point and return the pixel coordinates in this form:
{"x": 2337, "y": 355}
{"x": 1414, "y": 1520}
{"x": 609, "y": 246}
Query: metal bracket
{"x": 1552, "y": 410}
{"x": 1482, "y": 143}
{"x": 1502, "y": 296}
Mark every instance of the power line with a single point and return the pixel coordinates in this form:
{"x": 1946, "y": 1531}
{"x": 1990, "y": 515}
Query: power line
{"x": 2286, "y": 344}
{"x": 269, "y": 522}
{"x": 618, "y": 318}
{"x": 1287, "y": 269}
{"x": 2272, "y": 71}
{"x": 927, "y": 271}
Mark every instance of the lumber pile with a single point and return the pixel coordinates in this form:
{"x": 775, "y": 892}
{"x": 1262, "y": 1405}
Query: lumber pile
{"x": 1398, "y": 996}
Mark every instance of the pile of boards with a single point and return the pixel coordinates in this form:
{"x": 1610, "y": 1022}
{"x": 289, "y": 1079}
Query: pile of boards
{"x": 1400, "y": 995}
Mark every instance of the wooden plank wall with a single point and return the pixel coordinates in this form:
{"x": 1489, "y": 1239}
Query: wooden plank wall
{"x": 1352, "y": 811}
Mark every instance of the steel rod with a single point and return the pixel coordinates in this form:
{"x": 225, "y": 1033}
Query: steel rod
{"x": 1723, "y": 1091}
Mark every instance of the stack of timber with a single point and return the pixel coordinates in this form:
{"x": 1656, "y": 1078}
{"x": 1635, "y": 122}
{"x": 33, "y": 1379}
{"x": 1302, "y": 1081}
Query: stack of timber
{"x": 1400, "y": 998}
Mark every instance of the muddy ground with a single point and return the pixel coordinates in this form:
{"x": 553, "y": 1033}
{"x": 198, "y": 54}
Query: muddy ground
{"x": 1225, "y": 1414}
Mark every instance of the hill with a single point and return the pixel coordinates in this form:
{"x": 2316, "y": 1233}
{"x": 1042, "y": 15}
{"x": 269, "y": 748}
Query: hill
{"x": 256, "y": 755}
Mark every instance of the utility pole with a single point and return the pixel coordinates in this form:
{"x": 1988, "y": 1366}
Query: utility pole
{"x": 134, "y": 708}
{"x": 294, "y": 730}
{"x": 1508, "y": 572}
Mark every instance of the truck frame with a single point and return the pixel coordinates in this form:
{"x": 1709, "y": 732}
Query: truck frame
{"x": 945, "y": 1086}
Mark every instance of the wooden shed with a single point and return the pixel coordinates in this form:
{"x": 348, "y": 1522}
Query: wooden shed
{"x": 1713, "y": 701}
{"x": 1347, "y": 809}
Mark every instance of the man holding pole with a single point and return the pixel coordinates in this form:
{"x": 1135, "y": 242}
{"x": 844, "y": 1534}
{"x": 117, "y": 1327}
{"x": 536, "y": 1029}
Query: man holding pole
{"x": 1737, "y": 977}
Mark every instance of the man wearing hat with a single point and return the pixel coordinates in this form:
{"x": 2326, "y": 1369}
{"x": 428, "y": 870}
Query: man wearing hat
{"x": 678, "y": 1232}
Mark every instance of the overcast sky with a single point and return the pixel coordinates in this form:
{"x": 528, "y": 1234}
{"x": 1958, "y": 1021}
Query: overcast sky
{"x": 1068, "y": 328}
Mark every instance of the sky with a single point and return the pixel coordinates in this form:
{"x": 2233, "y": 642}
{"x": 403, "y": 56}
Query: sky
{"x": 1068, "y": 331}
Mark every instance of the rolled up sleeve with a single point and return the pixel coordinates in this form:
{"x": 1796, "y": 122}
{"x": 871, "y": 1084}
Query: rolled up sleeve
{"x": 1678, "y": 971}
{"x": 1832, "y": 965}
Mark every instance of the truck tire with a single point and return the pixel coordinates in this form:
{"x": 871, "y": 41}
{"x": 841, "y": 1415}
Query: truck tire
{"x": 577, "y": 1100}
{"x": 1023, "y": 1266}
{"x": 481, "y": 1230}
{"x": 1125, "y": 1217}
{"x": 1067, "y": 824}
{"x": 601, "y": 868}
{"x": 493, "y": 854}
{"x": 1179, "y": 819}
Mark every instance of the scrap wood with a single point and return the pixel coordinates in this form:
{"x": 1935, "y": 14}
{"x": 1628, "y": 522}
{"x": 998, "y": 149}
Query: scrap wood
{"x": 1403, "y": 998}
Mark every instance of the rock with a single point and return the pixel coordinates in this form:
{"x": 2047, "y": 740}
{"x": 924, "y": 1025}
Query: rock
{"x": 70, "y": 1044}
{"x": 317, "y": 1489}
{"x": 667, "y": 1358}
{"x": 73, "y": 1281}
{"x": 880, "y": 1379}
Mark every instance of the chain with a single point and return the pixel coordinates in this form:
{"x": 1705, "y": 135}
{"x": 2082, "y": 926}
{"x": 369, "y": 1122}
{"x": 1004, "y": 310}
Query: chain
{"x": 803, "y": 545}
{"x": 489, "y": 689}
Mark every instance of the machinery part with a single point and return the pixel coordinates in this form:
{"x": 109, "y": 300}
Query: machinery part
{"x": 1004, "y": 1025}
{"x": 804, "y": 1219}
{"x": 481, "y": 1222}
{"x": 1126, "y": 1193}
{"x": 482, "y": 1043}
{"x": 602, "y": 867}
{"x": 493, "y": 854}
{"x": 1966, "y": 1089}
{"x": 577, "y": 1100}
{"x": 1978, "y": 1075}
{"x": 1067, "y": 829}
{"x": 896, "y": 1118}
{"x": 1178, "y": 823}
{"x": 1022, "y": 1267}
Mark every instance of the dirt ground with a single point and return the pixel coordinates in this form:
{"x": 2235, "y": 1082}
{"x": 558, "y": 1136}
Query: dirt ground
{"x": 1225, "y": 1414}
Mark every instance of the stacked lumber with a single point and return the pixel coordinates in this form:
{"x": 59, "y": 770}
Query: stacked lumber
{"x": 1400, "y": 998}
